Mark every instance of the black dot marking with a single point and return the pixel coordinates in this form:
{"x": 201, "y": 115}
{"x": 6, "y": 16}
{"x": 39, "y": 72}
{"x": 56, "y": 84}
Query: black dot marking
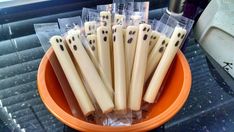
{"x": 73, "y": 38}
{"x": 166, "y": 44}
{"x": 90, "y": 41}
{"x": 106, "y": 32}
{"x": 161, "y": 50}
{"x": 57, "y": 40}
{"x": 89, "y": 27}
{"x": 93, "y": 41}
{"x": 182, "y": 36}
{"x": 103, "y": 17}
{"x": 60, "y": 40}
{"x": 151, "y": 37}
{"x": 69, "y": 40}
{"x": 178, "y": 34}
{"x": 105, "y": 38}
{"x": 130, "y": 32}
{"x": 177, "y": 43}
{"x": 145, "y": 37}
{"x": 103, "y": 32}
{"x": 130, "y": 40}
{"x": 148, "y": 30}
{"x": 107, "y": 17}
{"x": 93, "y": 48}
{"x": 115, "y": 29}
{"x": 105, "y": 24}
{"x": 61, "y": 47}
{"x": 155, "y": 37}
{"x": 93, "y": 27}
{"x": 75, "y": 47}
{"x": 114, "y": 38}
{"x": 144, "y": 29}
{"x": 78, "y": 36}
{"x": 134, "y": 32}
{"x": 163, "y": 42}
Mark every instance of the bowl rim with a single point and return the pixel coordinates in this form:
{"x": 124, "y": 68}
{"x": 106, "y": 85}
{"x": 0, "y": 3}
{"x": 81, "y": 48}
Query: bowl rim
{"x": 71, "y": 121}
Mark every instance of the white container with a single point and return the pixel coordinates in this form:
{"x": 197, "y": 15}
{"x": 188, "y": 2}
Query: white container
{"x": 215, "y": 32}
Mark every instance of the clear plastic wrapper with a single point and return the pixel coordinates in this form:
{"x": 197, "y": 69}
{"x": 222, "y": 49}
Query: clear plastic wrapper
{"x": 121, "y": 11}
{"x": 107, "y": 7}
{"x": 45, "y": 32}
{"x": 144, "y": 8}
{"x": 184, "y": 22}
{"x": 67, "y": 24}
{"x": 89, "y": 14}
{"x": 108, "y": 119}
{"x": 177, "y": 38}
{"x": 88, "y": 55}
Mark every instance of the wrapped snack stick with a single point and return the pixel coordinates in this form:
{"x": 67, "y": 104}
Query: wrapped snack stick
{"x": 86, "y": 66}
{"x": 105, "y": 18}
{"x": 164, "y": 64}
{"x": 90, "y": 32}
{"x": 119, "y": 68}
{"x": 155, "y": 55}
{"x": 72, "y": 75}
{"x": 92, "y": 39}
{"x": 90, "y": 27}
{"x": 153, "y": 40}
{"x": 104, "y": 55}
{"x": 130, "y": 48}
{"x": 97, "y": 65}
{"x": 139, "y": 67}
{"x": 119, "y": 19}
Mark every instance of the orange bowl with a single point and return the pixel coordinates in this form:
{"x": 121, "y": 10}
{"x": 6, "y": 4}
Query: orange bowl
{"x": 171, "y": 100}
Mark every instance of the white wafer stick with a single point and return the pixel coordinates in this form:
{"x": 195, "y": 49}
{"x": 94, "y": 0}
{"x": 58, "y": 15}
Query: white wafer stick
{"x": 130, "y": 48}
{"x": 119, "y": 68}
{"x": 86, "y": 67}
{"x": 164, "y": 64}
{"x": 72, "y": 75}
{"x": 155, "y": 55}
{"x": 90, "y": 28}
{"x": 153, "y": 40}
{"x": 139, "y": 67}
{"x": 92, "y": 39}
{"x": 103, "y": 47}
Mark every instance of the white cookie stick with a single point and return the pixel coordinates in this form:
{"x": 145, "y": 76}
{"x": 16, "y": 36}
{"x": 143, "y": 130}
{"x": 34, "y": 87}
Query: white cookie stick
{"x": 92, "y": 39}
{"x": 155, "y": 55}
{"x": 90, "y": 73}
{"x": 104, "y": 56}
{"x": 119, "y": 68}
{"x": 153, "y": 40}
{"x": 130, "y": 48}
{"x": 90, "y": 28}
{"x": 72, "y": 75}
{"x": 164, "y": 64}
{"x": 139, "y": 67}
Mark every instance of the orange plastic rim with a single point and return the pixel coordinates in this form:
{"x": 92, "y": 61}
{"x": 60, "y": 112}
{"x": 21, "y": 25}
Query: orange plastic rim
{"x": 171, "y": 107}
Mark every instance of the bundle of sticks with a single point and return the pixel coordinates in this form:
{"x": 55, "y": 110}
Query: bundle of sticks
{"x": 107, "y": 62}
